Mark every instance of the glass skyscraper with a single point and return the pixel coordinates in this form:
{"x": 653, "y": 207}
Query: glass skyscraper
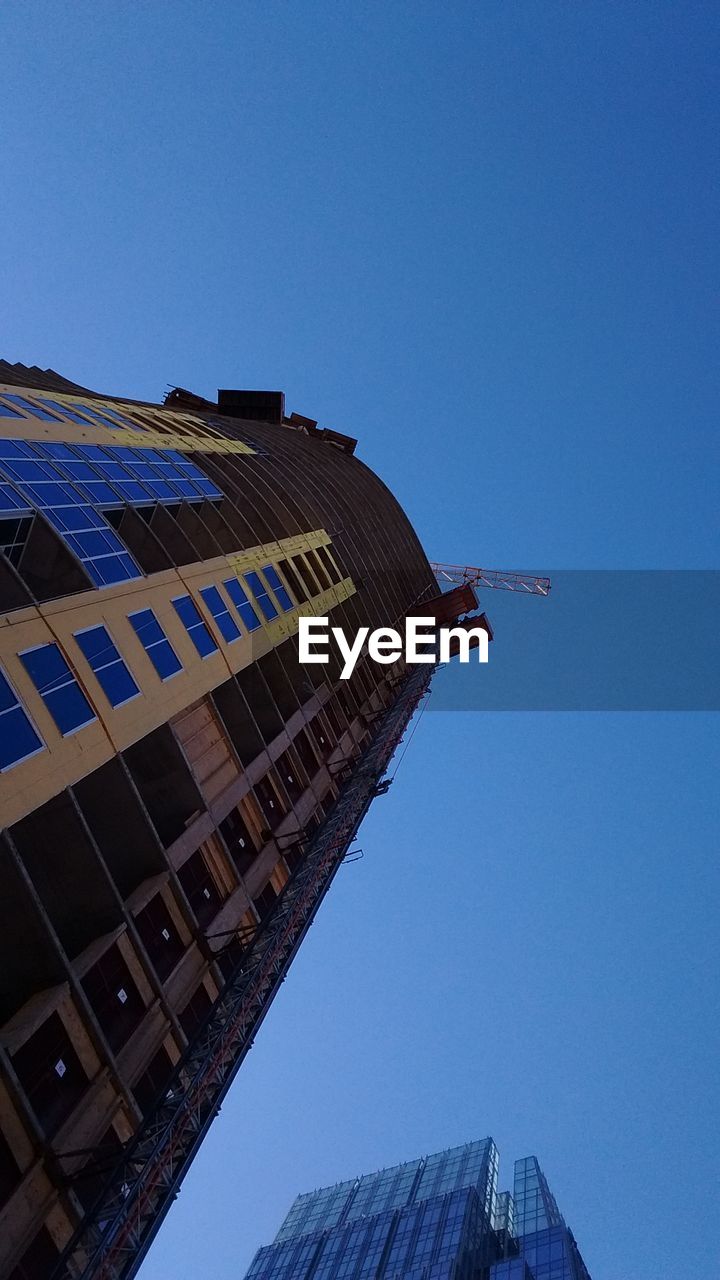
{"x": 436, "y": 1218}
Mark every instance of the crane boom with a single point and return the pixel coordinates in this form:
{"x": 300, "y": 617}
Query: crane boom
{"x": 498, "y": 579}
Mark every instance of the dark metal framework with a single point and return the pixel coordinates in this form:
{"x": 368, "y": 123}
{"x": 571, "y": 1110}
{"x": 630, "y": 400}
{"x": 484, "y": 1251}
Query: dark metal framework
{"x": 115, "y": 1235}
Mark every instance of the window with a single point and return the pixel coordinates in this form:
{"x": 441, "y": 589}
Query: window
{"x": 237, "y": 838}
{"x": 289, "y": 775}
{"x": 195, "y": 1012}
{"x": 155, "y": 643}
{"x": 57, "y": 687}
{"x": 18, "y": 738}
{"x": 265, "y": 901}
{"x": 114, "y": 997}
{"x": 159, "y": 936}
{"x": 226, "y": 624}
{"x": 7, "y": 412}
{"x": 113, "y": 676}
{"x": 37, "y": 472}
{"x": 270, "y": 804}
{"x": 306, "y": 753}
{"x": 106, "y": 418}
{"x": 273, "y": 577}
{"x": 32, "y": 408}
{"x": 321, "y": 736}
{"x": 63, "y": 409}
{"x": 11, "y": 502}
{"x": 260, "y": 591}
{"x": 154, "y": 1081}
{"x": 242, "y": 604}
{"x": 187, "y": 612}
{"x": 50, "y": 1072}
{"x": 294, "y": 855}
{"x": 229, "y": 956}
{"x": 72, "y": 484}
{"x": 200, "y": 887}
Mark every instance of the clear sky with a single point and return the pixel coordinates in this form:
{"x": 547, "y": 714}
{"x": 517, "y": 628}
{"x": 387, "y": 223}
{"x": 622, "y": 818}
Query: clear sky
{"x": 483, "y": 238}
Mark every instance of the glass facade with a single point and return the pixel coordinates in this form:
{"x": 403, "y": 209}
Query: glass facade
{"x": 436, "y": 1218}
{"x": 544, "y": 1243}
{"x": 73, "y": 484}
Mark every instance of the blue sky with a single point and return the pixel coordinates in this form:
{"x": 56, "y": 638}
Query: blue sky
{"x": 484, "y": 239}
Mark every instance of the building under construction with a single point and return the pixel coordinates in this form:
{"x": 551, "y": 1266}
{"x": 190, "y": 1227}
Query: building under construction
{"x": 177, "y": 790}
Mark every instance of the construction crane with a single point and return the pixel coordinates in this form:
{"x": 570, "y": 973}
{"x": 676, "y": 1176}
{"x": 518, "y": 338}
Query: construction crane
{"x": 498, "y": 579}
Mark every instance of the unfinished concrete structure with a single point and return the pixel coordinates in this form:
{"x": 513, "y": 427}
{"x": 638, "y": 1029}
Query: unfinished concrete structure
{"x": 167, "y": 766}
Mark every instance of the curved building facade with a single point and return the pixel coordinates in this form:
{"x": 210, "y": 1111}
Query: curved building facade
{"x": 168, "y": 768}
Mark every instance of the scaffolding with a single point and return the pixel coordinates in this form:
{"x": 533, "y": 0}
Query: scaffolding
{"x": 116, "y": 1233}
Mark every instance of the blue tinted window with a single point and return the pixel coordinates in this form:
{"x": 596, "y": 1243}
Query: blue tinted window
{"x": 271, "y": 574}
{"x": 79, "y": 470}
{"x": 42, "y": 479}
{"x": 18, "y": 739}
{"x": 113, "y": 676}
{"x": 155, "y": 643}
{"x": 120, "y": 417}
{"x": 107, "y": 570}
{"x": 64, "y": 480}
{"x": 10, "y": 499}
{"x": 100, "y": 494}
{"x": 260, "y": 591}
{"x": 75, "y": 518}
{"x": 95, "y": 452}
{"x": 7, "y": 412}
{"x": 64, "y": 409}
{"x": 32, "y": 408}
{"x": 57, "y": 687}
{"x": 105, "y": 418}
{"x": 242, "y": 604}
{"x": 132, "y": 492}
{"x": 90, "y": 542}
{"x": 30, "y": 469}
{"x": 188, "y": 489}
{"x": 227, "y": 625}
{"x": 52, "y": 495}
{"x": 188, "y": 614}
{"x": 15, "y": 449}
{"x": 53, "y": 450}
